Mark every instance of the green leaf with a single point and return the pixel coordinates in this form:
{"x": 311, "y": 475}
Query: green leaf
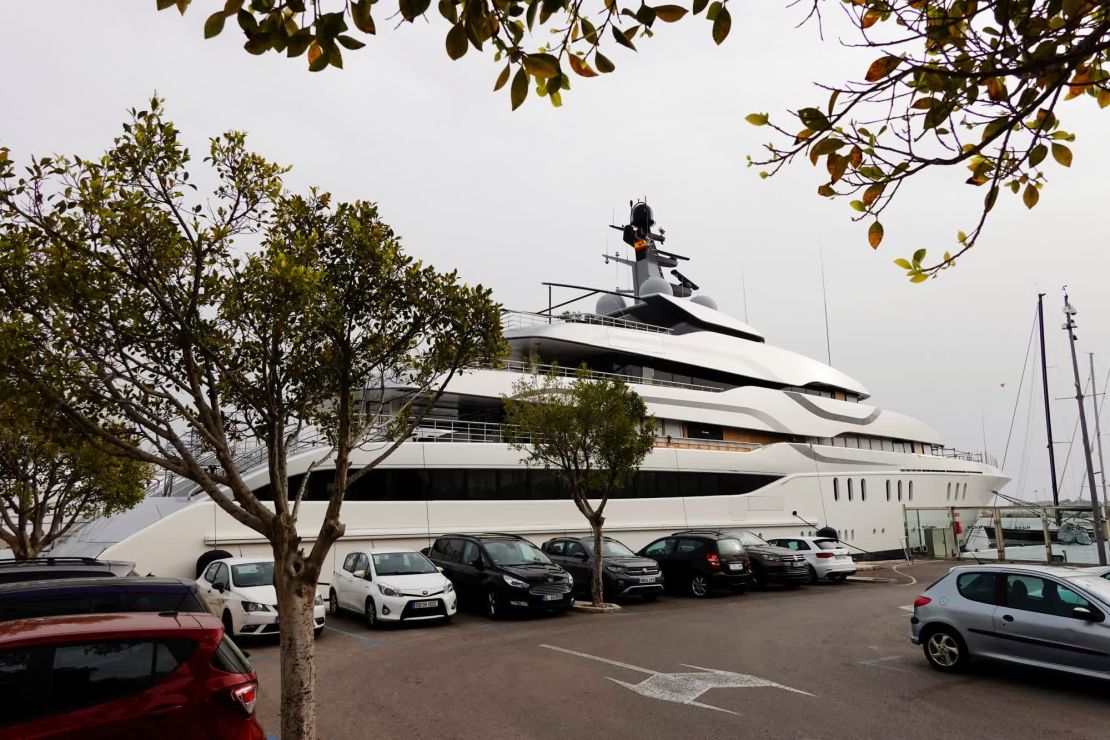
{"x": 457, "y": 43}
{"x": 882, "y": 67}
{"x": 669, "y": 13}
{"x": 621, "y": 38}
{"x": 502, "y": 79}
{"x": 1061, "y": 154}
{"x": 360, "y": 14}
{"x": 1037, "y": 154}
{"x": 814, "y": 119}
{"x": 349, "y": 42}
{"x": 756, "y": 119}
{"x": 519, "y": 89}
{"x": 722, "y": 24}
{"x": 541, "y": 66}
{"x": 992, "y": 196}
{"x": 699, "y": 6}
{"x": 904, "y": 264}
{"x": 858, "y": 205}
{"x": 214, "y": 25}
{"x": 412, "y": 9}
{"x": 918, "y": 256}
{"x": 603, "y": 63}
{"x": 919, "y": 278}
{"x": 1030, "y": 196}
{"x": 875, "y": 235}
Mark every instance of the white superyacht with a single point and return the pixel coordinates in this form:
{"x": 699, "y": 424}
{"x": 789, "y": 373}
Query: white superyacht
{"x": 749, "y": 435}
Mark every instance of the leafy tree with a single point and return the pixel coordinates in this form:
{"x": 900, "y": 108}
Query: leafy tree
{"x": 593, "y": 433}
{"x": 573, "y": 34}
{"x": 50, "y": 480}
{"x": 244, "y": 317}
{"x": 972, "y": 82}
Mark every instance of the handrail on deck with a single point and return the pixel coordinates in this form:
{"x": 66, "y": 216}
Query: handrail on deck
{"x": 521, "y": 319}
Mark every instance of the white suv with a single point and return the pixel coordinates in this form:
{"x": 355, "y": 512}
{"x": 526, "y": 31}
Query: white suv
{"x": 240, "y": 591}
{"x": 392, "y": 585}
{"x": 827, "y": 558}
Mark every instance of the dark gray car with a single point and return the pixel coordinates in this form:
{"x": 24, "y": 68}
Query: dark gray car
{"x": 1045, "y": 616}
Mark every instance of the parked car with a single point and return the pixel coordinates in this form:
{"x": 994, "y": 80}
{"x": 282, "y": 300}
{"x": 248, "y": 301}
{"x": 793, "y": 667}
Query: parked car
{"x": 700, "y": 561}
{"x": 98, "y": 596}
{"x": 240, "y": 591}
{"x": 827, "y": 558}
{"x": 97, "y": 676}
{"x": 39, "y": 569}
{"x": 770, "y": 563}
{"x": 392, "y": 586}
{"x": 1038, "y": 615}
{"x": 624, "y": 573}
{"x": 502, "y": 572}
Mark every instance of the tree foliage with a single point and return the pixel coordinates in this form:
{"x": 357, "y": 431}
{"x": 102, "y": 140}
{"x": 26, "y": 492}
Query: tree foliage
{"x": 593, "y": 433}
{"x": 50, "y": 480}
{"x": 972, "y": 82}
{"x": 576, "y": 32}
{"x": 245, "y": 319}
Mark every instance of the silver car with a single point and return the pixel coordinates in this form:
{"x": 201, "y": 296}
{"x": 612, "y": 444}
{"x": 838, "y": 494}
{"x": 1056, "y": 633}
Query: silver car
{"x": 1045, "y": 616}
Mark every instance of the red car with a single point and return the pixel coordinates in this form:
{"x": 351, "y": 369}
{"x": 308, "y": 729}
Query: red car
{"x": 125, "y": 675}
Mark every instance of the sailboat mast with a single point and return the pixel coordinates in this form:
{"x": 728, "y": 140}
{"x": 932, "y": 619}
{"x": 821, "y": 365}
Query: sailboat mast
{"x": 1047, "y": 406}
{"x": 1098, "y": 427}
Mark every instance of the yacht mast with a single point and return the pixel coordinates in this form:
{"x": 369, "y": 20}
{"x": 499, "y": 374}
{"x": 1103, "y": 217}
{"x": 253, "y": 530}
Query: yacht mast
{"x": 1047, "y": 409}
{"x": 1098, "y": 428}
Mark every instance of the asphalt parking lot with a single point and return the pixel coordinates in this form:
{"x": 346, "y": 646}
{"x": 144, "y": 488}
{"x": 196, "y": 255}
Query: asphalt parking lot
{"x": 817, "y": 662}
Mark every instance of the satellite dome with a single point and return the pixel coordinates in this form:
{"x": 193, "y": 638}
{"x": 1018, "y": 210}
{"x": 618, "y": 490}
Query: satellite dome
{"x": 704, "y": 300}
{"x": 654, "y": 285}
{"x": 609, "y": 303}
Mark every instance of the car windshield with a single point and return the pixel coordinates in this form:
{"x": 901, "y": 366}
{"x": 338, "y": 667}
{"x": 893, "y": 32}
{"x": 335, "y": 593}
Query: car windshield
{"x": 515, "y": 552}
{"x": 402, "y": 564}
{"x": 826, "y": 544}
{"x": 747, "y": 538}
{"x": 611, "y": 549}
{"x": 729, "y": 547}
{"x": 253, "y": 574}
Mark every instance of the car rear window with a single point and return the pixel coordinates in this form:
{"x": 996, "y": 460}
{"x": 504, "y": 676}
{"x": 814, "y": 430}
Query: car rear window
{"x": 729, "y": 547}
{"x": 982, "y": 587}
{"x": 229, "y": 658}
{"x": 827, "y": 544}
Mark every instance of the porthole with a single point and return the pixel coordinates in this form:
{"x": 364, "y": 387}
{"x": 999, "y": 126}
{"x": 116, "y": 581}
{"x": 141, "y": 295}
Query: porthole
{"x": 965, "y": 490}
{"x": 850, "y": 489}
{"x": 836, "y": 489}
{"x": 882, "y": 531}
{"x": 888, "y": 490}
{"x": 948, "y": 492}
{"x": 899, "y": 490}
{"x": 910, "y": 496}
{"x": 862, "y": 489}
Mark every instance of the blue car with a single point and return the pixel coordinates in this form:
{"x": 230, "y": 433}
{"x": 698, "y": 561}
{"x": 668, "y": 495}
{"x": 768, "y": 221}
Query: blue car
{"x": 101, "y": 595}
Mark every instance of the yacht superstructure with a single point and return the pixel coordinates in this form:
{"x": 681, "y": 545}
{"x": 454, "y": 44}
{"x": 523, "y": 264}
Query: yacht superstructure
{"x": 748, "y": 436}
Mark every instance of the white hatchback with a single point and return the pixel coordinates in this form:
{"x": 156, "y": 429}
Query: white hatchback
{"x": 828, "y": 559}
{"x": 240, "y": 591}
{"x": 392, "y": 585}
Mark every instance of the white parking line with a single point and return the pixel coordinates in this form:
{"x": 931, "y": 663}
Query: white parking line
{"x": 904, "y": 575}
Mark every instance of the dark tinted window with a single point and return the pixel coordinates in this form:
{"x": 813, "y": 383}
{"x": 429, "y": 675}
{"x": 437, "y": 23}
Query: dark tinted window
{"x": 14, "y": 672}
{"x": 349, "y": 563}
{"x": 662, "y": 547}
{"x": 1041, "y": 595}
{"x": 94, "y": 673}
{"x": 575, "y": 549}
{"x": 729, "y": 547}
{"x": 103, "y": 602}
{"x": 978, "y": 587}
{"x": 704, "y": 431}
{"x": 687, "y": 546}
{"x": 210, "y": 572}
{"x": 451, "y": 549}
{"x": 229, "y": 658}
{"x": 221, "y": 575}
{"x": 556, "y": 547}
{"x": 469, "y": 552}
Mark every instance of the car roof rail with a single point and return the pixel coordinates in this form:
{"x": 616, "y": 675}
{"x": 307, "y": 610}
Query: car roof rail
{"x": 700, "y": 530}
{"x": 55, "y": 560}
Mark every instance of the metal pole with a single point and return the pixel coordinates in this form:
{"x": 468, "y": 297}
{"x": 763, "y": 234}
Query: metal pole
{"x": 1100, "y": 535}
{"x": 1098, "y": 428}
{"x": 1047, "y": 409}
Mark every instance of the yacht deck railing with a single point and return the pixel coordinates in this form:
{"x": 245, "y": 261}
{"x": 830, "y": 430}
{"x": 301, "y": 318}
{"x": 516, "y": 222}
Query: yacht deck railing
{"x": 562, "y": 371}
{"x": 523, "y": 319}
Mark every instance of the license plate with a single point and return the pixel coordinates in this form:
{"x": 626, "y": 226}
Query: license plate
{"x": 736, "y": 566}
{"x": 552, "y": 597}
{"x": 433, "y": 603}
{"x": 647, "y": 579}
{"x": 841, "y": 557}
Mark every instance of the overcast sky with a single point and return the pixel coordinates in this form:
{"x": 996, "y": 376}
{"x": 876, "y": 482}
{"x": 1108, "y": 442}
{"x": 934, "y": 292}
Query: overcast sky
{"x": 513, "y": 199}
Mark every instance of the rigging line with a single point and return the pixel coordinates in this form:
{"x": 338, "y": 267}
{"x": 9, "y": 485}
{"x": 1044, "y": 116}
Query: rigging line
{"x": 1017, "y": 398}
{"x": 825, "y": 300}
{"x": 1024, "y": 468}
{"x": 1071, "y": 443}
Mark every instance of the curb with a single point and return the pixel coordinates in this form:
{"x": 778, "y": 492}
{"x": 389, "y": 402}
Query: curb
{"x": 588, "y": 608}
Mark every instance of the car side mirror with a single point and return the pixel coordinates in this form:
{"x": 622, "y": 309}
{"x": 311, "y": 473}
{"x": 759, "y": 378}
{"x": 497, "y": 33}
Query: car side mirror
{"x": 439, "y": 568}
{"x": 359, "y": 574}
{"x": 219, "y": 587}
{"x": 1087, "y": 615}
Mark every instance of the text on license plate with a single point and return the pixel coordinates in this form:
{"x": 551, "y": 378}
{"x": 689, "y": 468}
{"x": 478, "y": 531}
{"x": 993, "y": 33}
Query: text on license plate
{"x": 647, "y": 579}
{"x": 430, "y": 604}
{"x": 736, "y": 566}
{"x": 841, "y": 557}
{"x": 552, "y": 597}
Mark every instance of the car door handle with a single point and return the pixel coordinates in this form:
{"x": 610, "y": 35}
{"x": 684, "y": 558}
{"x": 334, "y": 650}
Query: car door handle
{"x": 1007, "y": 618}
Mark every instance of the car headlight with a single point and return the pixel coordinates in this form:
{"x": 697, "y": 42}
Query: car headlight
{"x": 319, "y": 600}
{"x": 570, "y": 579}
{"x": 448, "y": 587}
{"x": 616, "y": 568}
{"x": 772, "y": 558}
{"x": 388, "y": 591}
{"x": 251, "y": 606}
{"x": 515, "y": 582}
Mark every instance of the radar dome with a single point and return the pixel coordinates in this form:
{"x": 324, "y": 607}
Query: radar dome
{"x": 704, "y": 300}
{"x": 609, "y": 303}
{"x": 654, "y": 285}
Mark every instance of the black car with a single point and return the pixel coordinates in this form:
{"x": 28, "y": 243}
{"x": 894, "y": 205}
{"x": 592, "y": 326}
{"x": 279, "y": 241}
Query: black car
{"x": 97, "y": 596}
{"x": 624, "y": 573}
{"x": 700, "y": 561}
{"x": 43, "y": 568}
{"x": 771, "y": 563}
{"x": 502, "y": 572}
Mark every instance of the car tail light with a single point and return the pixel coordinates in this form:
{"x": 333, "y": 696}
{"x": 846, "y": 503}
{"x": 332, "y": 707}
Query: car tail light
{"x": 713, "y": 559}
{"x": 826, "y": 554}
{"x": 245, "y": 696}
{"x": 922, "y": 601}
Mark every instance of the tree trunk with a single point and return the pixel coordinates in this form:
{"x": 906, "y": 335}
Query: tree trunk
{"x": 296, "y": 601}
{"x": 599, "y": 562}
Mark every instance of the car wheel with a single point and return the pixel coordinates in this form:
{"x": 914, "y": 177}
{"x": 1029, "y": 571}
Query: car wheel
{"x": 699, "y": 585}
{"x": 650, "y": 597}
{"x": 371, "y": 615}
{"x": 333, "y": 602}
{"x": 945, "y": 650}
{"x": 493, "y": 605}
{"x": 229, "y": 626}
{"x": 318, "y": 632}
{"x": 812, "y": 574}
